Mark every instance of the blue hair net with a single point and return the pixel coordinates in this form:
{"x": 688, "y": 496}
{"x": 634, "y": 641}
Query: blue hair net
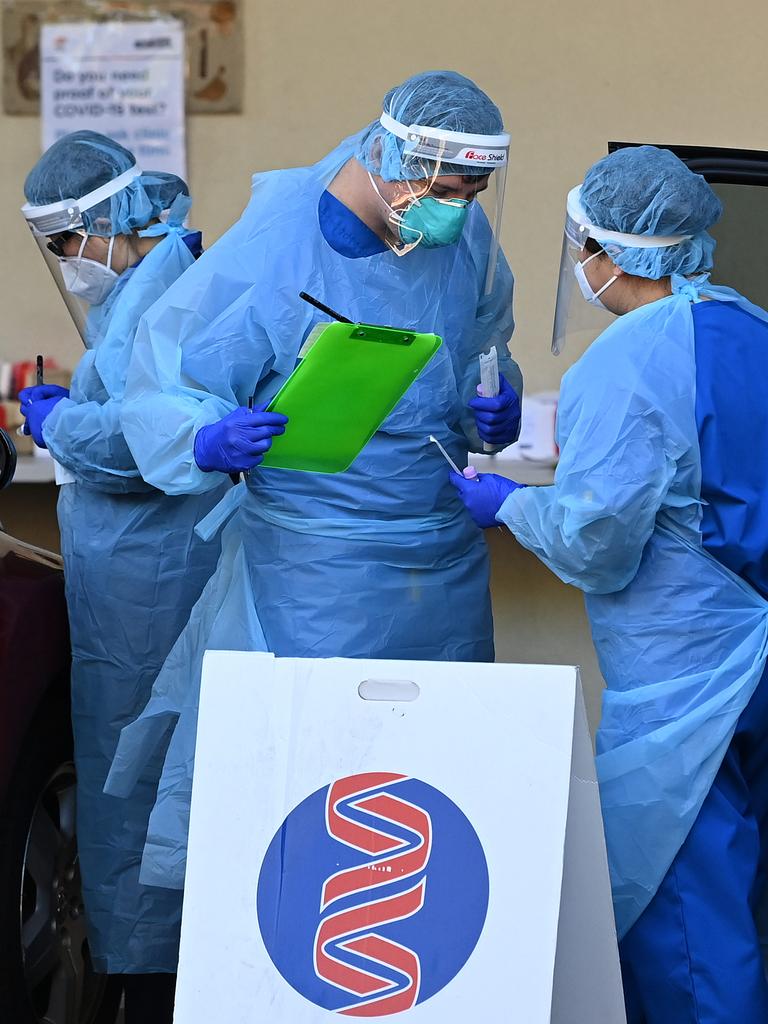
{"x": 83, "y": 161}
{"x": 642, "y": 190}
{"x": 438, "y": 99}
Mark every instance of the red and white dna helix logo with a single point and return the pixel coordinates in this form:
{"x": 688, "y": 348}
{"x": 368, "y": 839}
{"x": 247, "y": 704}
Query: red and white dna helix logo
{"x": 349, "y": 953}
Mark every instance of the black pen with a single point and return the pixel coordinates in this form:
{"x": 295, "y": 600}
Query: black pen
{"x": 38, "y": 380}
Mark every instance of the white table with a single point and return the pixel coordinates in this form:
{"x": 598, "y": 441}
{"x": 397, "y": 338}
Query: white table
{"x": 524, "y": 471}
{"x": 33, "y": 469}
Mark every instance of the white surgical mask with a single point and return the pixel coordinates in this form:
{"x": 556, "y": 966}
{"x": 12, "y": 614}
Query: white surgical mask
{"x": 591, "y": 296}
{"x": 88, "y": 279}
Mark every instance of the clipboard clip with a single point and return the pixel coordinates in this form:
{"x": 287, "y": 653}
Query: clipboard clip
{"x": 365, "y": 332}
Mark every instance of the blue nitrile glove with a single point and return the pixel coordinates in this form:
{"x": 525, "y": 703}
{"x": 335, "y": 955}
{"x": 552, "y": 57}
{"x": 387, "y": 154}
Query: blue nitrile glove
{"x": 238, "y": 442}
{"x": 36, "y": 404}
{"x": 498, "y": 419}
{"x": 484, "y": 495}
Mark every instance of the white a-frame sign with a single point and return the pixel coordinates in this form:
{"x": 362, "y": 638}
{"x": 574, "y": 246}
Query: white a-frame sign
{"x": 384, "y": 839}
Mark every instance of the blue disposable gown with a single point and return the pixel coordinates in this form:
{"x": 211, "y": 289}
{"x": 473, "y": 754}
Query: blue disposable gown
{"x": 381, "y": 561}
{"x": 695, "y": 955}
{"x": 681, "y": 638}
{"x": 133, "y": 569}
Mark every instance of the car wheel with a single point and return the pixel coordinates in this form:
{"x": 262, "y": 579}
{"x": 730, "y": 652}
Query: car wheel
{"x": 46, "y": 975}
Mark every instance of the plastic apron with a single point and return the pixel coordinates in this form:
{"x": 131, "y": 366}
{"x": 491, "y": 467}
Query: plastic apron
{"x": 133, "y": 571}
{"x": 380, "y": 561}
{"x": 681, "y": 640}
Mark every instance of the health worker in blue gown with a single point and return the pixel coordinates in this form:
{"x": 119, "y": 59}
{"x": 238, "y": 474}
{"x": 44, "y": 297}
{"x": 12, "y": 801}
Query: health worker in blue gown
{"x": 114, "y": 239}
{"x": 659, "y": 513}
{"x": 398, "y": 225}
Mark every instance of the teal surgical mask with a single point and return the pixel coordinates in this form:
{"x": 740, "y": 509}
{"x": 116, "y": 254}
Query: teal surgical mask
{"x": 433, "y": 222}
{"x": 425, "y": 220}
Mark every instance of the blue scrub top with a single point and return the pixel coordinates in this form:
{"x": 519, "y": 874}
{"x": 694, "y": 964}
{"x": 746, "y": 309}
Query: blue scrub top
{"x": 732, "y": 420}
{"x": 194, "y": 242}
{"x": 344, "y": 231}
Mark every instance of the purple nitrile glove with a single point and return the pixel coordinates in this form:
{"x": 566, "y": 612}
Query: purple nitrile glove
{"x": 239, "y": 441}
{"x": 484, "y": 495}
{"x": 498, "y": 419}
{"x": 36, "y": 404}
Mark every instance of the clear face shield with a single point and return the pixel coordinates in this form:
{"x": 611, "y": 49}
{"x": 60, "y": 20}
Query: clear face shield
{"x": 432, "y": 159}
{"x": 577, "y": 322}
{"x": 580, "y": 319}
{"x": 61, "y": 237}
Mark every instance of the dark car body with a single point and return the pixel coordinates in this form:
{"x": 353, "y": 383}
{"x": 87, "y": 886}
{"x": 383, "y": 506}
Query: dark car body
{"x": 34, "y": 643}
{"x": 46, "y": 976}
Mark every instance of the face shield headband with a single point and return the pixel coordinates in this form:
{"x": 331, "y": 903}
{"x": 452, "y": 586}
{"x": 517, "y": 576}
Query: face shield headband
{"x": 578, "y": 229}
{"x": 66, "y": 214}
{"x": 480, "y": 152}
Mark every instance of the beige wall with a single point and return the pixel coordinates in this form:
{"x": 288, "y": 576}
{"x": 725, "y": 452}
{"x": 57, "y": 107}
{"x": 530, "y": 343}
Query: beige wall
{"x": 568, "y": 77}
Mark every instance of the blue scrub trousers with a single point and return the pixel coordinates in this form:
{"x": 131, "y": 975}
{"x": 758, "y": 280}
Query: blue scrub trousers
{"x": 694, "y": 955}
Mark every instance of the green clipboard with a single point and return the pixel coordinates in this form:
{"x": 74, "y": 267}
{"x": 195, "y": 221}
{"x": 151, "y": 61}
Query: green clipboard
{"x": 341, "y": 392}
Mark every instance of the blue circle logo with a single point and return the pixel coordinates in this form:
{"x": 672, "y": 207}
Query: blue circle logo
{"x": 372, "y": 894}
